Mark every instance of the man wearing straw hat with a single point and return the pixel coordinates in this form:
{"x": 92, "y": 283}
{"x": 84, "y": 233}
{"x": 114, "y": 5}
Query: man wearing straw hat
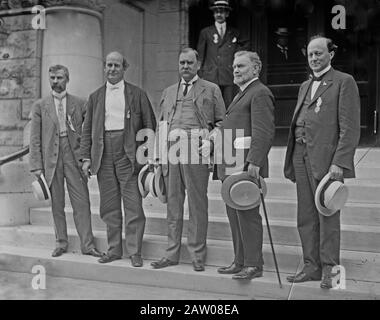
{"x": 56, "y": 129}
{"x": 217, "y": 45}
{"x": 323, "y": 136}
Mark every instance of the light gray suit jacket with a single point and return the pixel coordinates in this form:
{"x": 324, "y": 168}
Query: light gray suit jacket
{"x": 44, "y": 134}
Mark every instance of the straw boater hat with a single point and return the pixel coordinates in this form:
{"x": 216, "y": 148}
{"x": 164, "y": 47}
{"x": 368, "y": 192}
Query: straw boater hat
{"x": 159, "y": 185}
{"x": 144, "y": 180}
{"x": 41, "y": 189}
{"x": 330, "y": 196}
{"x": 240, "y": 191}
{"x": 221, "y": 4}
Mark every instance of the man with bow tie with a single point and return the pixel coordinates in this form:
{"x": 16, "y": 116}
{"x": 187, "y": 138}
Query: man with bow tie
{"x": 217, "y": 45}
{"x": 116, "y": 112}
{"x": 189, "y": 108}
{"x": 323, "y": 136}
{"x": 56, "y": 128}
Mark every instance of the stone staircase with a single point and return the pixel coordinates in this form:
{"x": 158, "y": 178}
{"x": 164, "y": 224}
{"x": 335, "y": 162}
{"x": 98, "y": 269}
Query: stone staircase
{"x": 22, "y": 247}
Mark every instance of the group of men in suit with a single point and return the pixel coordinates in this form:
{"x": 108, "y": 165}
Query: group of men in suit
{"x": 323, "y": 137}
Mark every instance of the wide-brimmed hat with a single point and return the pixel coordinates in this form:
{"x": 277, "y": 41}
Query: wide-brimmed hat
{"x": 330, "y": 196}
{"x": 143, "y": 181}
{"x": 221, "y": 4}
{"x": 240, "y": 191}
{"x": 41, "y": 189}
{"x": 159, "y": 185}
{"x": 282, "y": 31}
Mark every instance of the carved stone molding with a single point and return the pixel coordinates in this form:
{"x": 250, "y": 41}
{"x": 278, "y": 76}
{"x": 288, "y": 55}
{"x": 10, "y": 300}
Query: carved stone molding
{"x": 97, "y": 5}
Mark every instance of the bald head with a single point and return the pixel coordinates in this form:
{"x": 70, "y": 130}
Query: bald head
{"x": 115, "y": 67}
{"x": 319, "y": 54}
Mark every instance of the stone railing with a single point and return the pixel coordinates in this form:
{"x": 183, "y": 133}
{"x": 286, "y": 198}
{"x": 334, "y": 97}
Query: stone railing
{"x": 97, "y": 5}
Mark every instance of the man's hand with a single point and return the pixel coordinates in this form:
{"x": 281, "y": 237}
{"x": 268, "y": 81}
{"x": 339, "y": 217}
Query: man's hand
{"x": 336, "y": 172}
{"x": 86, "y": 168}
{"x": 37, "y": 173}
{"x": 206, "y": 148}
{"x": 254, "y": 171}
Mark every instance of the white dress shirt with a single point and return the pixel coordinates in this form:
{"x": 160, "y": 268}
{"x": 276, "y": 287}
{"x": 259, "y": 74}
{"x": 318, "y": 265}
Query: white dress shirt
{"x": 221, "y": 27}
{"x": 115, "y": 106}
{"x": 316, "y": 84}
{"x": 244, "y": 86}
{"x": 62, "y": 122}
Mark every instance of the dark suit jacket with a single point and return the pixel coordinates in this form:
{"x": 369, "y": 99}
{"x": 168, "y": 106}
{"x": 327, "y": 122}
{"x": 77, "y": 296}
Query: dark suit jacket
{"x": 208, "y": 103}
{"x": 253, "y": 112}
{"x": 332, "y": 134}
{"x": 138, "y": 115}
{"x": 44, "y": 134}
{"x": 217, "y": 58}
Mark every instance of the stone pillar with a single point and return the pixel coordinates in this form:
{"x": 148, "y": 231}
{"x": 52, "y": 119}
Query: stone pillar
{"x": 73, "y": 37}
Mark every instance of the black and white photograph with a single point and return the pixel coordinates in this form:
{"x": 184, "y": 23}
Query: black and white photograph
{"x": 189, "y": 155}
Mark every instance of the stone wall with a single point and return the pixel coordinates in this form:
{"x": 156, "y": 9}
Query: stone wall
{"x": 20, "y": 61}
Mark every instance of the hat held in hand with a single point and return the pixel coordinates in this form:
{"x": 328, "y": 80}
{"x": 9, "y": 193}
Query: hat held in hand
{"x": 240, "y": 191}
{"x": 330, "y": 196}
{"x": 41, "y": 189}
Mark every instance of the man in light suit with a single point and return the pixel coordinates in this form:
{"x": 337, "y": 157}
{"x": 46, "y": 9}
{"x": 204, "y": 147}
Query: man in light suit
{"x": 323, "y": 137}
{"x": 116, "y": 112}
{"x": 55, "y": 135}
{"x": 216, "y": 46}
{"x": 189, "y": 106}
{"x": 252, "y": 111}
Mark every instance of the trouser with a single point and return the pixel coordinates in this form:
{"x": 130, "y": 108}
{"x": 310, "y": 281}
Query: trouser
{"x": 247, "y": 236}
{"x": 118, "y": 182}
{"x": 67, "y": 168}
{"x": 193, "y": 178}
{"x": 320, "y": 235}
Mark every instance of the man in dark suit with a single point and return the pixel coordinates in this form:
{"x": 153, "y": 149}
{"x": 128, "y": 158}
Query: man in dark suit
{"x": 189, "y": 107}
{"x": 217, "y": 45}
{"x": 55, "y": 135}
{"x": 116, "y": 112}
{"x": 252, "y": 111}
{"x": 323, "y": 137}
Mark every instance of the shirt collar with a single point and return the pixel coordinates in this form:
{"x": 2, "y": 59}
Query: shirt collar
{"x": 325, "y": 70}
{"x": 244, "y": 86}
{"x": 59, "y": 96}
{"x": 218, "y": 25}
{"x": 119, "y": 85}
{"x": 191, "y": 81}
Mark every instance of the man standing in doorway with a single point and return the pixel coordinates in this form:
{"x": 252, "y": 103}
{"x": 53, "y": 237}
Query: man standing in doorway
{"x": 217, "y": 45}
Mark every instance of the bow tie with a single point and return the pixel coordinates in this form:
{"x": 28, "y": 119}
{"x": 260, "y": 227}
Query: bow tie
{"x": 113, "y": 86}
{"x": 315, "y": 78}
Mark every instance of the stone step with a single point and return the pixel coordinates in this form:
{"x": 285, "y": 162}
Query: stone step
{"x": 18, "y": 286}
{"x": 180, "y": 277}
{"x": 353, "y": 237}
{"x": 360, "y": 191}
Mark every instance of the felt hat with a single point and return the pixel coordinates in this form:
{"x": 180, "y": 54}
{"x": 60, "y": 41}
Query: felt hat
{"x": 330, "y": 196}
{"x": 41, "y": 189}
{"x": 160, "y": 186}
{"x": 282, "y": 31}
{"x": 221, "y": 4}
{"x": 240, "y": 191}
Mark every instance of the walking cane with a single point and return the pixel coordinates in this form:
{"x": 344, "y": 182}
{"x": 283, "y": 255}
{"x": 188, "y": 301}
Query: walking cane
{"x": 269, "y": 233}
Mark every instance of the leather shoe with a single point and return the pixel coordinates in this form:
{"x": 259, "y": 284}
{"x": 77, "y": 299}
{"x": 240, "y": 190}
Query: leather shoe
{"x": 248, "y": 273}
{"x": 136, "y": 260}
{"x": 107, "y": 258}
{"x": 198, "y": 266}
{"x": 163, "y": 263}
{"x": 58, "y": 252}
{"x": 231, "y": 269}
{"x": 305, "y": 276}
{"x": 93, "y": 252}
{"x": 328, "y": 277}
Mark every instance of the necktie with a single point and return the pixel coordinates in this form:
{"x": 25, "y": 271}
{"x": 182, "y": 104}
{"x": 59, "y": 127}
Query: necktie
{"x": 315, "y": 78}
{"x": 61, "y": 117}
{"x": 221, "y": 32}
{"x": 187, "y": 85}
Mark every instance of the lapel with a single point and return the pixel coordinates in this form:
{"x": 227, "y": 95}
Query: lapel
{"x": 171, "y": 96}
{"x": 51, "y": 112}
{"x": 226, "y": 36}
{"x": 101, "y": 110}
{"x": 70, "y": 106}
{"x": 240, "y": 95}
{"x": 198, "y": 88}
{"x": 300, "y": 101}
{"x": 129, "y": 98}
{"x": 324, "y": 85}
